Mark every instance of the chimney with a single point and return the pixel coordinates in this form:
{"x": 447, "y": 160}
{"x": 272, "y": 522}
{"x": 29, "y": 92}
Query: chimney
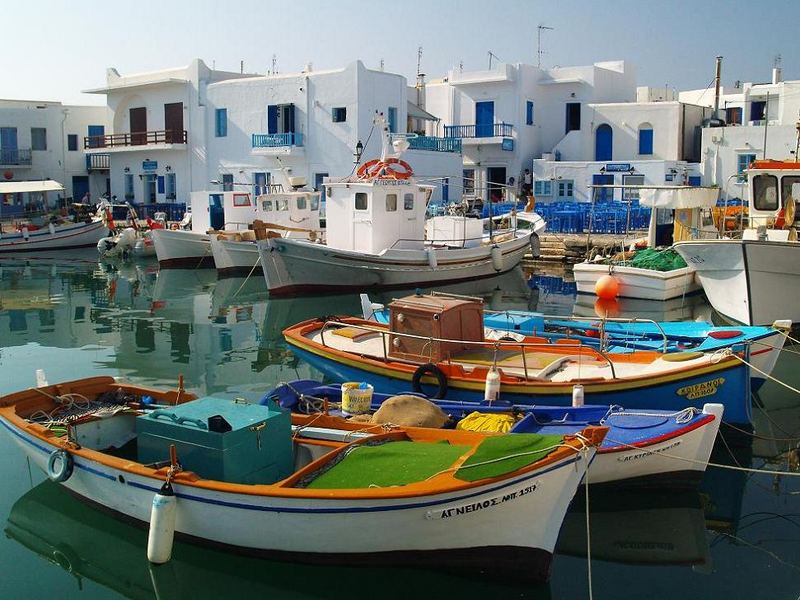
{"x": 717, "y": 78}
{"x": 777, "y": 75}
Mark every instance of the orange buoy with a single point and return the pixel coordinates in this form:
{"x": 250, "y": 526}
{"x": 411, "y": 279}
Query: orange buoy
{"x": 606, "y": 308}
{"x": 606, "y": 287}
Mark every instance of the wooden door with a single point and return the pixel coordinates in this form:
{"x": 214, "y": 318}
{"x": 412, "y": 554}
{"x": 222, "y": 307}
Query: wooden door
{"x": 173, "y": 123}
{"x": 138, "y": 119}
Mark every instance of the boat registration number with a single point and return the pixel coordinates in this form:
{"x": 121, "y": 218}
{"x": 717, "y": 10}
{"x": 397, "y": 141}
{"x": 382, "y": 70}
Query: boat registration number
{"x": 699, "y": 390}
{"x": 456, "y": 511}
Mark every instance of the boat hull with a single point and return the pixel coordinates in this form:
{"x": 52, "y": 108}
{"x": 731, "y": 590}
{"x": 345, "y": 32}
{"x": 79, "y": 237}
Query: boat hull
{"x": 727, "y": 383}
{"x": 177, "y": 248}
{"x": 478, "y": 526}
{"x": 79, "y": 235}
{"x": 747, "y": 281}
{"x": 637, "y": 283}
{"x": 235, "y": 258}
{"x": 302, "y": 267}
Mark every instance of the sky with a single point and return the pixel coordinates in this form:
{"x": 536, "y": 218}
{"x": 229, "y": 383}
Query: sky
{"x": 53, "y": 49}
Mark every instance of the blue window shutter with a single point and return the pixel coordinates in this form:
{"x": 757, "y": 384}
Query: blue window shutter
{"x": 645, "y": 141}
{"x": 529, "y": 113}
{"x": 221, "y": 122}
{"x": 160, "y": 184}
{"x": 392, "y": 117}
{"x": 272, "y": 118}
{"x": 446, "y": 189}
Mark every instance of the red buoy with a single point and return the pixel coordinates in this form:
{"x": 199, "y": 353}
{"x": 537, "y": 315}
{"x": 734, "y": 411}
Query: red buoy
{"x": 607, "y": 287}
{"x": 606, "y": 308}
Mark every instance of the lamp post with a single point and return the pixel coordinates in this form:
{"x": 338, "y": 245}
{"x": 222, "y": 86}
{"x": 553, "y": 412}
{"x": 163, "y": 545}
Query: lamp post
{"x": 359, "y": 151}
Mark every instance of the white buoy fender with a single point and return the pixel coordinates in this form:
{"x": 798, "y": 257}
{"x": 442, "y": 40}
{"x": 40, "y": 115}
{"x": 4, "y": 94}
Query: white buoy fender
{"x": 491, "y": 391}
{"x": 577, "y": 395}
{"x": 52, "y": 228}
{"x": 162, "y": 525}
{"x": 432, "y": 261}
{"x": 497, "y": 258}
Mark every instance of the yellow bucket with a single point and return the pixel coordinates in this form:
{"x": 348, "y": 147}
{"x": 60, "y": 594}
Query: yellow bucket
{"x": 355, "y": 400}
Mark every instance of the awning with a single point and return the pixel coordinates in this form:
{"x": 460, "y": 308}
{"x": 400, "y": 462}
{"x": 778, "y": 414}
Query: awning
{"x": 415, "y": 112}
{"x": 17, "y": 187}
{"x": 679, "y": 197}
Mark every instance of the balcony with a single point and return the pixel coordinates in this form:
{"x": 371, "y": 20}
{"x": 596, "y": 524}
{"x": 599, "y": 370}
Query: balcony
{"x": 116, "y": 142}
{"x": 15, "y": 157}
{"x": 435, "y": 144}
{"x": 489, "y": 130}
{"x": 98, "y": 162}
{"x": 277, "y": 143}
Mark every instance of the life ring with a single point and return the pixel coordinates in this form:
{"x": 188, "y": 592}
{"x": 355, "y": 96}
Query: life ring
{"x": 60, "y": 465}
{"x": 394, "y": 173}
{"x": 434, "y": 371}
{"x": 369, "y": 168}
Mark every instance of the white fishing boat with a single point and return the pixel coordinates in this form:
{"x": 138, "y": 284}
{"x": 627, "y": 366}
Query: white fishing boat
{"x": 292, "y": 215}
{"x": 377, "y": 237}
{"x": 254, "y": 479}
{"x": 46, "y": 233}
{"x": 754, "y": 280}
{"x": 691, "y": 205}
{"x": 231, "y": 216}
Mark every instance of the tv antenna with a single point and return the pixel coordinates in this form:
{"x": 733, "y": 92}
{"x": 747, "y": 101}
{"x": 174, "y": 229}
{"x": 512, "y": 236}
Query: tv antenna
{"x": 274, "y": 64}
{"x": 419, "y": 60}
{"x": 539, "y": 29}
{"x": 491, "y": 56}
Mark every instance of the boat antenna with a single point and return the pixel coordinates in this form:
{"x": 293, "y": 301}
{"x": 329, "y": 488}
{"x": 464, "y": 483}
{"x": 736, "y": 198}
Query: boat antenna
{"x": 539, "y": 29}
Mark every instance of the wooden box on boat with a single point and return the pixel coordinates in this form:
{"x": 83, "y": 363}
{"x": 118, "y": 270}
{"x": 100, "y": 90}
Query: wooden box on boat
{"x": 443, "y": 317}
{"x": 257, "y": 449}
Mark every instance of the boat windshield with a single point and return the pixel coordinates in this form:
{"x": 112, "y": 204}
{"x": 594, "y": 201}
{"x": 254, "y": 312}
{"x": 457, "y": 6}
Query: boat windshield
{"x": 765, "y": 192}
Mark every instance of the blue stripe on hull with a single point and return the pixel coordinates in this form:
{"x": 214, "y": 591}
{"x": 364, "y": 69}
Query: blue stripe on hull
{"x": 733, "y": 393}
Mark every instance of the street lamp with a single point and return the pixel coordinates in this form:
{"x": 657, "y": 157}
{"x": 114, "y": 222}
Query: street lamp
{"x": 359, "y": 152}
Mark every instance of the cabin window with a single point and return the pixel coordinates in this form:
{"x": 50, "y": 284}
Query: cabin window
{"x": 282, "y": 204}
{"x": 301, "y": 203}
{"x": 227, "y": 182}
{"x": 791, "y": 183}
{"x": 267, "y": 205}
{"x": 241, "y": 199}
{"x": 361, "y": 201}
{"x": 765, "y": 192}
{"x": 391, "y": 202}
{"x": 314, "y": 202}
{"x": 408, "y": 202}
{"x": 339, "y": 114}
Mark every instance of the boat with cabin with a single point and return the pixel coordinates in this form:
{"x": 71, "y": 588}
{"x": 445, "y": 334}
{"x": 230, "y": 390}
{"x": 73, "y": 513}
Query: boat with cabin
{"x": 649, "y": 273}
{"x": 377, "y": 236}
{"x": 256, "y": 479}
{"x": 437, "y": 346}
{"x": 235, "y": 220}
{"x": 754, "y": 280}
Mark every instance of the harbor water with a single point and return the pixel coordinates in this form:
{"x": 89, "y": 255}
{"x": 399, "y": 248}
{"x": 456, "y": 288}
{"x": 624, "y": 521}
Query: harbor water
{"x": 736, "y": 536}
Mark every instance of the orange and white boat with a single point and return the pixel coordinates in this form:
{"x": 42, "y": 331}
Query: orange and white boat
{"x": 306, "y": 490}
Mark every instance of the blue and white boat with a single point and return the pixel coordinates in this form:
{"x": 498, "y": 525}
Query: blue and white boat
{"x": 641, "y": 447}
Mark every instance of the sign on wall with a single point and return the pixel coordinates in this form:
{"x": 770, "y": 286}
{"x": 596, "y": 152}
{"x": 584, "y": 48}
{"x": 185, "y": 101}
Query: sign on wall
{"x": 617, "y": 167}
{"x": 149, "y": 165}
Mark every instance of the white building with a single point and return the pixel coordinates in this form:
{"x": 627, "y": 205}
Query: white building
{"x": 44, "y": 140}
{"x": 157, "y": 139}
{"x": 265, "y": 129}
{"x": 636, "y": 143}
{"x": 508, "y": 115}
{"x": 760, "y": 122}
{"x": 176, "y": 131}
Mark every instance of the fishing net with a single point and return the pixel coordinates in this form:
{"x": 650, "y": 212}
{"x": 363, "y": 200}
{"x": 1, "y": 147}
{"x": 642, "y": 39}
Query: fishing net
{"x": 657, "y": 260}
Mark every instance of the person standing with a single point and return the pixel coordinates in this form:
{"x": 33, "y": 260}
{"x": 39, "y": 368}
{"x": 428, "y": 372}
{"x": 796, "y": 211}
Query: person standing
{"x": 527, "y": 183}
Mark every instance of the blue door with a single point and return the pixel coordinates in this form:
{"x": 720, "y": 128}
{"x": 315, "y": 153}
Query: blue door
{"x": 96, "y": 132}
{"x": 80, "y": 187}
{"x": 484, "y": 119}
{"x": 603, "y": 143}
{"x": 259, "y": 184}
{"x": 8, "y": 145}
{"x": 272, "y": 118}
{"x": 603, "y": 194}
{"x": 216, "y": 212}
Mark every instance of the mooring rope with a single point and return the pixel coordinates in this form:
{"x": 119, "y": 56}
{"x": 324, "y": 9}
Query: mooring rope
{"x": 248, "y": 276}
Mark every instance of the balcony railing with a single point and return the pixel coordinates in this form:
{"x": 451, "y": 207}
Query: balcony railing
{"x": 140, "y": 138}
{"x": 15, "y": 157}
{"x": 479, "y": 131}
{"x": 437, "y": 144}
{"x": 98, "y": 162}
{"x": 277, "y": 140}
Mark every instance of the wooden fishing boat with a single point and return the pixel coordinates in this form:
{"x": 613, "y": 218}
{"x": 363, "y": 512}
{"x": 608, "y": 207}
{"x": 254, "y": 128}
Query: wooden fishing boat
{"x": 440, "y": 341}
{"x": 641, "y": 447}
{"x": 307, "y": 491}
